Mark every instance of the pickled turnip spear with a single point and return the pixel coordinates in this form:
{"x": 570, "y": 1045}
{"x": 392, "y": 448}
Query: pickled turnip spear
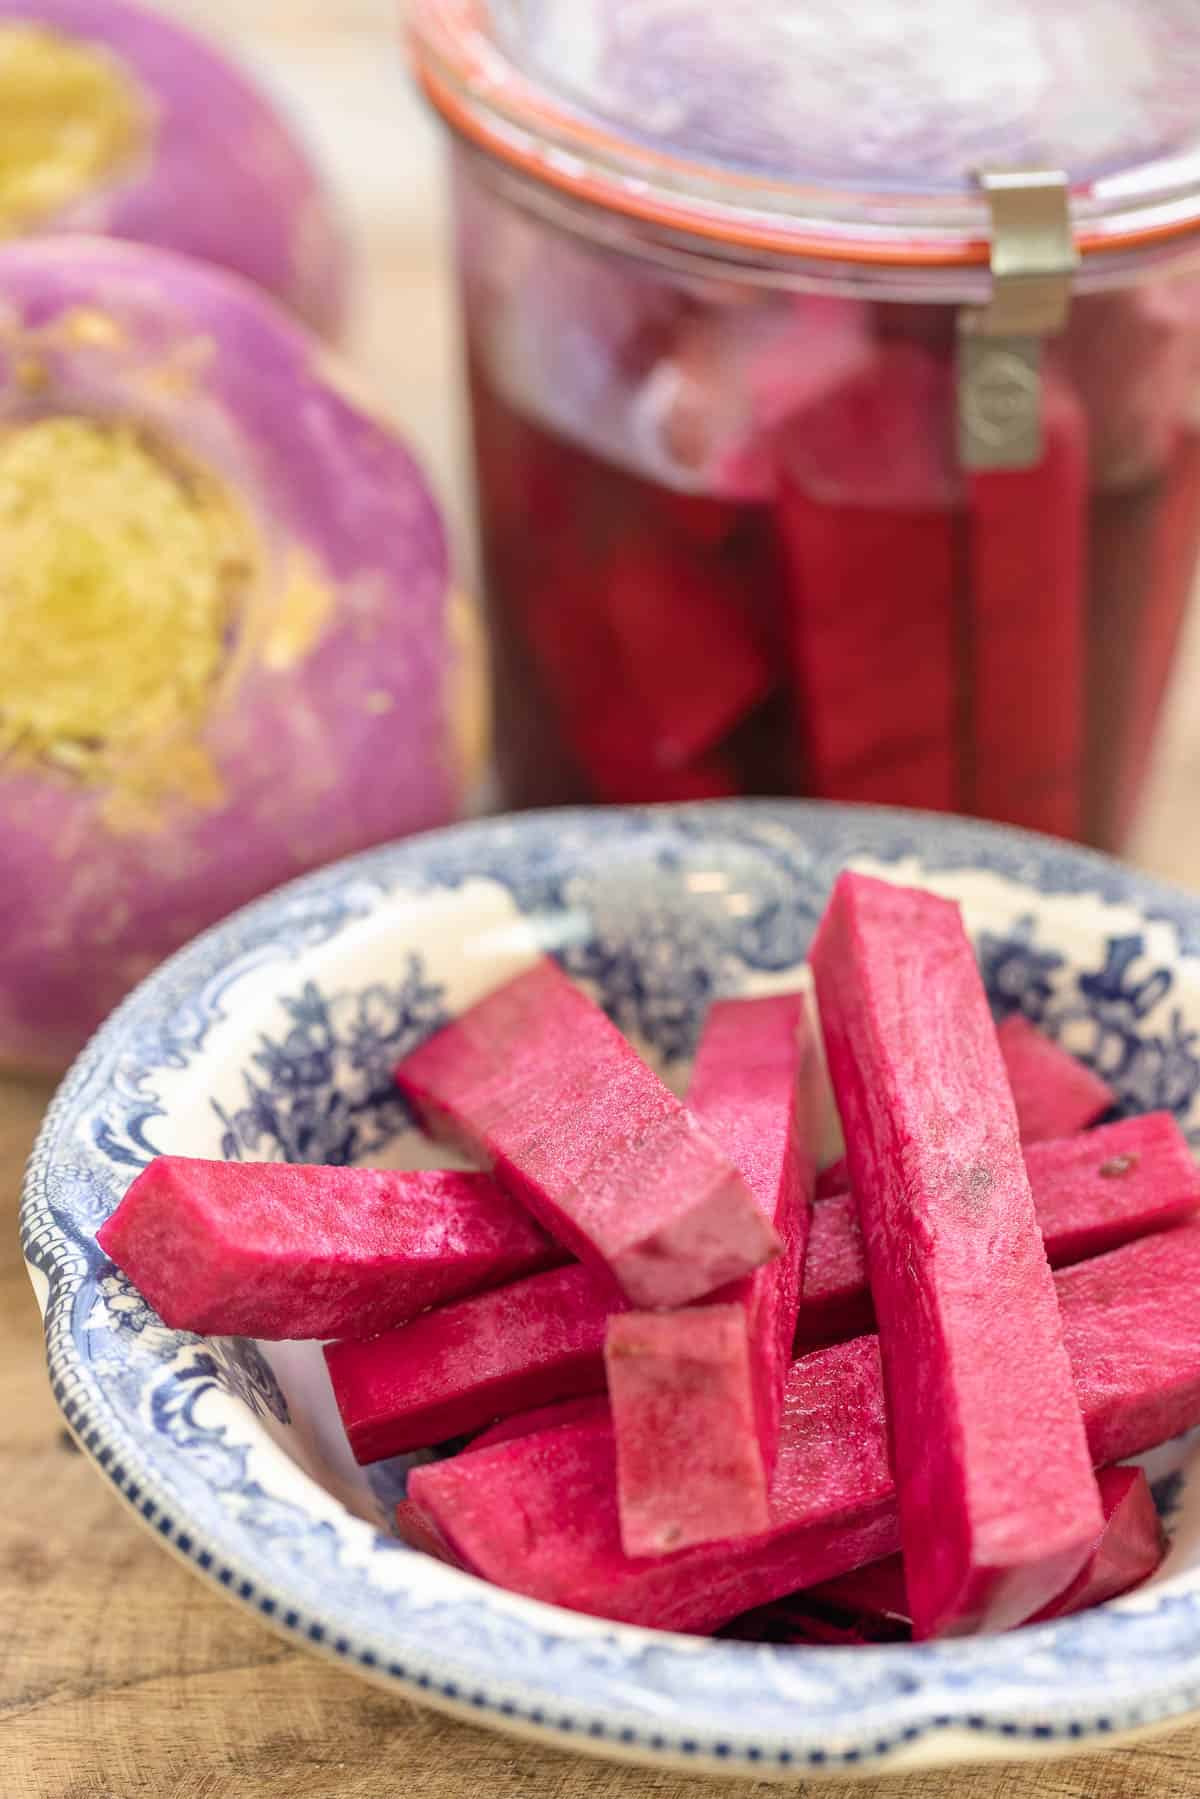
{"x": 866, "y": 526}
{"x": 1055, "y": 1094}
{"x": 697, "y": 1393}
{"x": 541, "y": 1339}
{"x": 1131, "y": 1548}
{"x": 537, "y": 1081}
{"x": 997, "y": 1498}
{"x": 538, "y": 1513}
{"x": 415, "y": 1529}
{"x": 456, "y": 1368}
{"x": 1129, "y": 1551}
{"x": 587, "y": 1407}
{"x": 275, "y": 1250}
{"x": 1093, "y": 1192}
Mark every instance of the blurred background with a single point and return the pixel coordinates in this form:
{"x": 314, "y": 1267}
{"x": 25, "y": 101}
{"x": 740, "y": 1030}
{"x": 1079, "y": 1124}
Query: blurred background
{"x": 339, "y": 71}
{"x": 731, "y": 545}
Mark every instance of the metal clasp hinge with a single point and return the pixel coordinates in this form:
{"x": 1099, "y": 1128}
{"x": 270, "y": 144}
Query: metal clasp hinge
{"x": 1033, "y": 260}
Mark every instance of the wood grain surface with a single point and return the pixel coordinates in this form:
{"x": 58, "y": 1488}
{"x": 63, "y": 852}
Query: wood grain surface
{"x": 121, "y": 1675}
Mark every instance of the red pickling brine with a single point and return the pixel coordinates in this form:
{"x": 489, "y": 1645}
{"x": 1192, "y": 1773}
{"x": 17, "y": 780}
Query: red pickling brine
{"x": 697, "y": 1393}
{"x": 690, "y": 643}
{"x": 630, "y": 629}
{"x": 278, "y": 1250}
{"x": 713, "y": 276}
{"x": 539, "y": 1083}
{"x": 1026, "y": 538}
{"x": 997, "y": 1499}
{"x": 865, "y": 515}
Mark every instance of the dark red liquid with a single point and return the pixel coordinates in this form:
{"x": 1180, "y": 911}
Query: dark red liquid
{"x": 651, "y": 645}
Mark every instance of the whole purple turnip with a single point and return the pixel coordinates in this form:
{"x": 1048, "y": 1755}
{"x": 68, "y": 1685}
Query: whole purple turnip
{"x": 230, "y": 650}
{"x": 117, "y": 122}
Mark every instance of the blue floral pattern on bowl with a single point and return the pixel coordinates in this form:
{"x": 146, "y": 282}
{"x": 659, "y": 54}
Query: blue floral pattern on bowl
{"x": 273, "y": 1037}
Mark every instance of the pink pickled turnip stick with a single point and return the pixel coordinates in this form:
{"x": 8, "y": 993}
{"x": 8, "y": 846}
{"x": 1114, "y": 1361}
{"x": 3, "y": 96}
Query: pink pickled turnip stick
{"x": 584, "y": 1409}
{"x": 1027, "y": 538}
{"x": 274, "y": 1250}
{"x": 689, "y": 643}
{"x": 669, "y": 1374}
{"x": 1130, "y": 1326}
{"x": 1134, "y": 401}
{"x": 1128, "y": 1552}
{"x": 1093, "y": 1192}
{"x": 619, "y": 777}
{"x": 538, "y": 1513}
{"x": 836, "y": 1302}
{"x": 866, "y": 520}
{"x": 1055, "y": 1094}
{"x": 537, "y": 1081}
{"x": 456, "y": 1368}
{"x": 1110, "y": 1185}
{"x": 711, "y": 407}
{"x": 1132, "y": 1547}
{"x": 419, "y": 1532}
{"x": 696, "y": 1394}
{"x": 999, "y": 1508}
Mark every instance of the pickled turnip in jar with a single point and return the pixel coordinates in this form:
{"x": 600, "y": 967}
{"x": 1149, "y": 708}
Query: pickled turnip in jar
{"x": 834, "y": 393}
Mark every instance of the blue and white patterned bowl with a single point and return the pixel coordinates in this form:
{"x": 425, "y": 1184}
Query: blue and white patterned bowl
{"x": 273, "y": 1037}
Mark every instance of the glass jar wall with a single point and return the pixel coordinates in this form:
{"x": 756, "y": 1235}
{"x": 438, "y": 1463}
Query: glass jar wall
{"x": 728, "y": 546}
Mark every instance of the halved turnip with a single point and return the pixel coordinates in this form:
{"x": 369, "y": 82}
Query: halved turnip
{"x": 118, "y": 122}
{"x": 229, "y": 649}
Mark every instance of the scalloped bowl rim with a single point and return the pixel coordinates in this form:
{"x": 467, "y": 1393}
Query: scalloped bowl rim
{"x": 1088, "y": 1682}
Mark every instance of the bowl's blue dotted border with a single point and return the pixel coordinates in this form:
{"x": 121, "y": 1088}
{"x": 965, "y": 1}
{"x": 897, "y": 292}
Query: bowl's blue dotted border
{"x": 544, "y": 1719}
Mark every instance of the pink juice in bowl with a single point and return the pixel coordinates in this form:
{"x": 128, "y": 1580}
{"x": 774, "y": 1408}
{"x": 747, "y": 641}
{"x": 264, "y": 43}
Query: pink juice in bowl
{"x": 736, "y": 535}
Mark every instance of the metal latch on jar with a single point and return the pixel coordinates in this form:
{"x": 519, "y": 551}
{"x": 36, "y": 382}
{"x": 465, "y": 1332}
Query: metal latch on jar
{"x": 1033, "y": 259}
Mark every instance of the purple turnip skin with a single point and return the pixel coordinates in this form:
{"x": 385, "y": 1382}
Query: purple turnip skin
{"x": 222, "y": 177}
{"x": 332, "y": 724}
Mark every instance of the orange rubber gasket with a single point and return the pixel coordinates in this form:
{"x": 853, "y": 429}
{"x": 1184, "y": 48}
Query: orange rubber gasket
{"x": 454, "y": 31}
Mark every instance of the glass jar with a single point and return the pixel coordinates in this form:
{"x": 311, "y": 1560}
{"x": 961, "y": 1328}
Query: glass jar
{"x": 828, "y": 461}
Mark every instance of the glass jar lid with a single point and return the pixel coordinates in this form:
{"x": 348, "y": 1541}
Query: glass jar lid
{"x": 852, "y": 134}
